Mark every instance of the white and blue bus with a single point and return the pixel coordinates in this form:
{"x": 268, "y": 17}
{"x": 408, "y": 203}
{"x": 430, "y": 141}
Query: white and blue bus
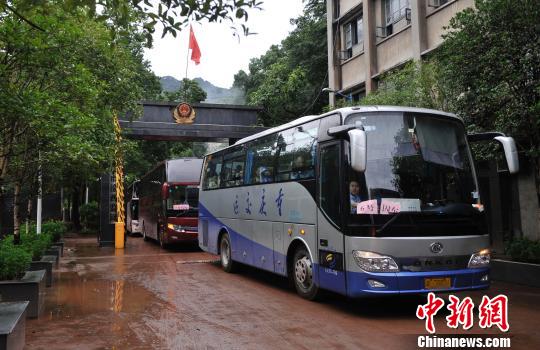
{"x": 360, "y": 201}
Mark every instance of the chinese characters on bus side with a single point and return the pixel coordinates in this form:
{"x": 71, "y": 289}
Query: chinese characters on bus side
{"x": 262, "y": 208}
{"x": 491, "y": 312}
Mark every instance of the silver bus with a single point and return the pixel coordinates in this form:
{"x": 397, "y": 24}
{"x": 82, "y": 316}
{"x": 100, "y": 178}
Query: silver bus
{"x": 360, "y": 201}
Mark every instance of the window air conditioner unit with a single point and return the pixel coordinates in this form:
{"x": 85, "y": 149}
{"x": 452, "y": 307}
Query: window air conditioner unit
{"x": 434, "y": 3}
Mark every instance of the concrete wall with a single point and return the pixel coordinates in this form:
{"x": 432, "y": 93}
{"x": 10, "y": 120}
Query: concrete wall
{"x": 346, "y": 5}
{"x": 354, "y": 71}
{"x": 440, "y": 17}
{"x": 528, "y": 205}
{"x": 394, "y": 50}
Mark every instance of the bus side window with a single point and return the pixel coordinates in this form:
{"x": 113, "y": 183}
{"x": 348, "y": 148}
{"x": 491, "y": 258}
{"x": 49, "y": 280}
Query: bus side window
{"x": 212, "y": 172}
{"x": 261, "y": 160}
{"x": 233, "y": 167}
{"x": 297, "y": 152}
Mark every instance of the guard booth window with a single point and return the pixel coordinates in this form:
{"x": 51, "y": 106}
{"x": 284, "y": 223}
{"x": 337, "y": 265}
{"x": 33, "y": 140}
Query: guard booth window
{"x": 329, "y": 189}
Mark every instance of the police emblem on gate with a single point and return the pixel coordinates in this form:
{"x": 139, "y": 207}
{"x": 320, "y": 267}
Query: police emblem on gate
{"x": 184, "y": 113}
{"x": 436, "y": 247}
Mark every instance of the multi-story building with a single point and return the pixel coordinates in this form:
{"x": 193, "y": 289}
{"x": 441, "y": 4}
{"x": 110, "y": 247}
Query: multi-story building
{"x": 367, "y": 38}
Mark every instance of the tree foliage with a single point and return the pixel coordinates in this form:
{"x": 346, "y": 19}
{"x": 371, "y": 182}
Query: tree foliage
{"x": 189, "y": 91}
{"x": 415, "y": 85}
{"x": 490, "y": 62}
{"x": 144, "y": 16}
{"x": 287, "y": 80}
{"x": 60, "y": 86}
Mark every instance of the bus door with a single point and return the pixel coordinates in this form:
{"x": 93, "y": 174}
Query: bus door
{"x": 331, "y": 265}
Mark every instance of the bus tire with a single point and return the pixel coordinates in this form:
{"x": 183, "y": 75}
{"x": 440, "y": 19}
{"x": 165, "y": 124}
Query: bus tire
{"x": 302, "y": 274}
{"x": 162, "y": 243}
{"x": 225, "y": 254}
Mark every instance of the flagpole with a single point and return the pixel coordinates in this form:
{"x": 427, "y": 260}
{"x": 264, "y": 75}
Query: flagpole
{"x": 187, "y": 59}
{"x": 187, "y": 64}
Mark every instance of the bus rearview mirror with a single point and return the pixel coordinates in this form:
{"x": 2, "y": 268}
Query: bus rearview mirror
{"x": 358, "y": 144}
{"x": 510, "y": 152}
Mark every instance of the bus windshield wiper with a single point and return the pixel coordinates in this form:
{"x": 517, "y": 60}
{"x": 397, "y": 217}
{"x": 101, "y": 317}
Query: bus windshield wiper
{"x": 389, "y": 222}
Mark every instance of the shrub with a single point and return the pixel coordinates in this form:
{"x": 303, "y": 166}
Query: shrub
{"x": 56, "y": 229}
{"x": 90, "y": 215}
{"x": 36, "y": 244}
{"x": 525, "y": 250}
{"x": 14, "y": 259}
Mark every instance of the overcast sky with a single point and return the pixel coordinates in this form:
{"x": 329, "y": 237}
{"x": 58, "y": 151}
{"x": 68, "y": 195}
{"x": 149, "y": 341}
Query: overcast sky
{"x": 222, "y": 54}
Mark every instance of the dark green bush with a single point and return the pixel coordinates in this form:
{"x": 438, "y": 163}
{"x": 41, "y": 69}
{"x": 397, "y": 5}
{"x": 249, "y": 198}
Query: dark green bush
{"x": 56, "y": 229}
{"x": 523, "y": 249}
{"x": 90, "y": 215}
{"x": 14, "y": 259}
{"x": 36, "y": 244}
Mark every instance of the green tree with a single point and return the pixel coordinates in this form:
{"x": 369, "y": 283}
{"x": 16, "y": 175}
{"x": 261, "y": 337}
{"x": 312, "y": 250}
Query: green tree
{"x": 490, "y": 62}
{"x": 124, "y": 16}
{"x": 60, "y": 85}
{"x": 417, "y": 84}
{"x": 287, "y": 80}
{"x": 189, "y": 91}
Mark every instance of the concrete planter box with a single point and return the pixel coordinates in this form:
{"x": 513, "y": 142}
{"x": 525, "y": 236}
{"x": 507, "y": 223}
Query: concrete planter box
{"x": 13, "y": 325}
{"x": 61, "y": 245}
{"x": 50, "y": 258}
{"x": 56, "y": 251}
{"x": 515, "y": 272}
{"x": 44, "y": 265}
{"x": 29, "y": 288}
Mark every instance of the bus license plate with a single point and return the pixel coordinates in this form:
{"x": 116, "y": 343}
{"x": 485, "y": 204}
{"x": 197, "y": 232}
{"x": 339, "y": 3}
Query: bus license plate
{"x": 437, "y": 283}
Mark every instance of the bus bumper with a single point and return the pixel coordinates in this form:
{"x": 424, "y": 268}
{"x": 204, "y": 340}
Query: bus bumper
{"x": 172, "y": 236}
{"x": 360, "y": 284}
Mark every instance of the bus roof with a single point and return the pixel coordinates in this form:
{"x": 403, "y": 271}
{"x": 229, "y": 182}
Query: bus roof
{"x": 345, "y": 112}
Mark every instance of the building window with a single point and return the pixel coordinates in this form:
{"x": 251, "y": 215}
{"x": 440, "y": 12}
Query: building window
{"x": 437, "y": 3}
{"x": 395, "y": 11}
{"x": 354, "y": 37}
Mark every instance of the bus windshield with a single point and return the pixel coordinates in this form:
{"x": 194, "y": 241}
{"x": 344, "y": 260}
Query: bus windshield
{"x": 418, "y": 165}
{"x": 183, "y": 200}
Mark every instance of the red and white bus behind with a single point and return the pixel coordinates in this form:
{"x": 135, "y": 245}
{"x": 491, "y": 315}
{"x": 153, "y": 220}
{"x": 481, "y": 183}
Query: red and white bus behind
{"x": 169, "y": 201}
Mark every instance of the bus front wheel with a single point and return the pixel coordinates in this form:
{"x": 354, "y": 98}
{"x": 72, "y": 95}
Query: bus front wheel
{"x": 225, "y": 254}
{"x": 302, "y": 274}
{"x": 144, "y": 232}
{"x": 161, "y": 239}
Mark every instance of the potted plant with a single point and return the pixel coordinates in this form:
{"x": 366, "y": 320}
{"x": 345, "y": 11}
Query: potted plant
{"x": 17, "y": 284}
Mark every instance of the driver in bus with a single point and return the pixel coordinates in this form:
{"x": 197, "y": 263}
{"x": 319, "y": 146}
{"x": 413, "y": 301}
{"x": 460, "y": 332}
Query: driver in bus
{"x": 354, "y": 194}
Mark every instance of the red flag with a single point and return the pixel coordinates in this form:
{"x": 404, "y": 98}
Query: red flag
{"x": 195, "y": 51}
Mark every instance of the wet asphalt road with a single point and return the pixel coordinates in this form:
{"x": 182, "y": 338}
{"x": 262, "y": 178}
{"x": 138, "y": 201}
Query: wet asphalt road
{"x": 144, "y": 297}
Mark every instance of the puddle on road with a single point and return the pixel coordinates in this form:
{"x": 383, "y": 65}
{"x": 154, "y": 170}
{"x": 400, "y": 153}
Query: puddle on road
{"x": 81, "y": 295}
{"x": 90, "y": 311}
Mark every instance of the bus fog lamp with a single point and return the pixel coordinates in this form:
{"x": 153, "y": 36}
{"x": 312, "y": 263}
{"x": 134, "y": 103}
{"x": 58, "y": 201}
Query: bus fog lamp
{"x": 376, "y": 284}
{"x": 373, "y": 262}
{"x": 480, "y": 259}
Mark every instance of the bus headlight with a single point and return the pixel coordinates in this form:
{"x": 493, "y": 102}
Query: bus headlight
{"x": 373, "y": 262}
{"x": 174, "y": 227}
{"x": 480, "y": 259}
